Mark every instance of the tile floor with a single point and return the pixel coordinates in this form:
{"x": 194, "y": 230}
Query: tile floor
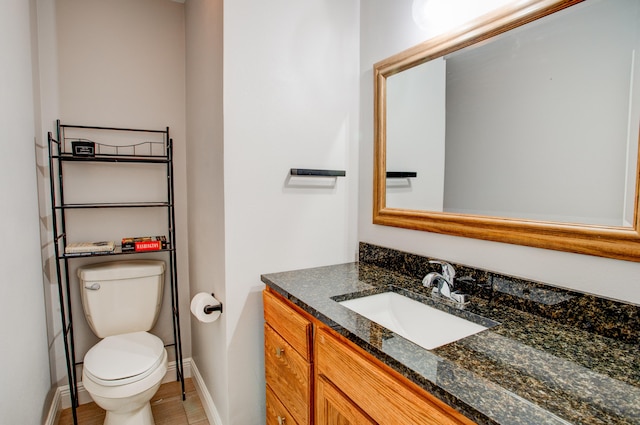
{"x": 167, "y": 408}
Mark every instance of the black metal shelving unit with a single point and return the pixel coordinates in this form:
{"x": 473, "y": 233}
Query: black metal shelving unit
{"x": 154, "y": 152}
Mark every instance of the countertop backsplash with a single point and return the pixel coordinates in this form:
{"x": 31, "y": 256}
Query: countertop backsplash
{"x": 603, "y": 316}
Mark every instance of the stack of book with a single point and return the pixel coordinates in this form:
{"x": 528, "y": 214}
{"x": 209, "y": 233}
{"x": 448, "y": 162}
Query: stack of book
{"x": 86, "y": 248}
{"x": 144, "y": 243}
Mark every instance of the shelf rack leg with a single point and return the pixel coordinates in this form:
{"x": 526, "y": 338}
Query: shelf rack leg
{"x": 174, "y": 274}
{"x": 65, "y": 308}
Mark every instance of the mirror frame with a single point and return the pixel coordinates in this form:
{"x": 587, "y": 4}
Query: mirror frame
{"x": 621, "y": 243}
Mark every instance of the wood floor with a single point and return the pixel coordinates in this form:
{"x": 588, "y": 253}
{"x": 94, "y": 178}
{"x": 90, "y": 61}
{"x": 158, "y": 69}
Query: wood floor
{"x": 167, "y": 408}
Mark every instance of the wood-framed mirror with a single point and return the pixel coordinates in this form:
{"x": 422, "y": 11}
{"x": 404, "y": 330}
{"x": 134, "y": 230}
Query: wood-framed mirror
{"x": 539, "y": 105}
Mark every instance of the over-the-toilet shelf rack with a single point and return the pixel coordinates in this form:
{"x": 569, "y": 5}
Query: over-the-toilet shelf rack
{"x": 60, "y": 153}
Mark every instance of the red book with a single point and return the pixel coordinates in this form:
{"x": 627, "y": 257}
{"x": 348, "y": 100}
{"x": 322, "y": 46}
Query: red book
{"x": 144, "y": 243}
{"x": 148, "y": 246}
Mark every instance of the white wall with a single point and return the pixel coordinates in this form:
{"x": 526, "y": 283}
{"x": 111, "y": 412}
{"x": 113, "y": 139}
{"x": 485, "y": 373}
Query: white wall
{"x": 25, "y": 376}
{"x": 118, "y": 63}
{"x": 290, "y": 101}
{"x": 416, "y": 122}
{"x": 205, "y": 175}
{"x": 606, "y": 277}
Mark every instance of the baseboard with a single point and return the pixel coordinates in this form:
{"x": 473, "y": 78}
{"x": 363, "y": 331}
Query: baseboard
{"x": 62, "y": 400}
{"x": 54, "y": 408}
{"x": 170, "y": 376}
{"x": 205, "y": 397}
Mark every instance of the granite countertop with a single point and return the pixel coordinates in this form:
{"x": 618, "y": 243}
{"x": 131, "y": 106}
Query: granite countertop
{"x": 528, "y": 369}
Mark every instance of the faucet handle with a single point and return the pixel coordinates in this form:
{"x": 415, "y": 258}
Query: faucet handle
{"x": 448, "y": 272}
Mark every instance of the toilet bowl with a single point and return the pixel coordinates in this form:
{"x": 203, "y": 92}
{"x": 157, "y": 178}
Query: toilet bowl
{"x": 122, "y": 373}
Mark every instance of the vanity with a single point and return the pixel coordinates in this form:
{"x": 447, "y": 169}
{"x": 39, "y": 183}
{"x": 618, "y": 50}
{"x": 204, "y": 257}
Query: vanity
{"x": 550, "y": 356}
{"x": 351, "y": 387}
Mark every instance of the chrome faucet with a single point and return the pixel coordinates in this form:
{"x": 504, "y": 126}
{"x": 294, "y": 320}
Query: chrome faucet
{"x": 443, "y": 283}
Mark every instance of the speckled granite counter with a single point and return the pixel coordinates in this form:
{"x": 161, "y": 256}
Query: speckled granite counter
{"x": 556, "y": 357}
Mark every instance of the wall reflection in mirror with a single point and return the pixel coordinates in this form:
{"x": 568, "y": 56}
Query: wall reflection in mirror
{"x": 538, "y": 123}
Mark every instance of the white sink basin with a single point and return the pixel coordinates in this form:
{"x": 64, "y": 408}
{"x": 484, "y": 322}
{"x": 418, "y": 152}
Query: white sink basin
{"x": 426, "y": 326}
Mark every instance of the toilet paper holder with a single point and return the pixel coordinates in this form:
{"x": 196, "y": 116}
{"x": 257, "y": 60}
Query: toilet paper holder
{"x": 208, "y": 309}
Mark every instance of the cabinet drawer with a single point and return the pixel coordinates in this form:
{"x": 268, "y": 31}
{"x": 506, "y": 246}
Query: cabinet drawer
{"x": 288, "y": 375}
{"x": 288, "y": 323}
{"x": 277, "y": 414}
{"x": 385, "y": 398}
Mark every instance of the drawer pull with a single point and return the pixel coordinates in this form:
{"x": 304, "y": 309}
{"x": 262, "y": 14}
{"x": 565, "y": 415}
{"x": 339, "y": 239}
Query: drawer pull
{"x": 279, "y": 353}
{"x": 280, "y": 420}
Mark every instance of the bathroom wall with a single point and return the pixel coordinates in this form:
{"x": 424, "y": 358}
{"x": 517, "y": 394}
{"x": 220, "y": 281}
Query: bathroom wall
{"x": 290, "y": 101}
{"x": 380, "y": 38}
{"x": 205, "y": 189}
{"x": 117, "y": 63}
{"x": 26, "y": 381}
{"x": 416, "y": 122}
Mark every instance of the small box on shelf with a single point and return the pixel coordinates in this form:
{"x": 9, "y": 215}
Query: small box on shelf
{"x": 85, "y": 148}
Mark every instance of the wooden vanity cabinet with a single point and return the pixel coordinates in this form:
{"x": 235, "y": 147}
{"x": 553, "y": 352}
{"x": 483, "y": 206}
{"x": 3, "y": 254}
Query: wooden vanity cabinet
{"x": 337, "y": 383}
{"x": 288, "y": 363}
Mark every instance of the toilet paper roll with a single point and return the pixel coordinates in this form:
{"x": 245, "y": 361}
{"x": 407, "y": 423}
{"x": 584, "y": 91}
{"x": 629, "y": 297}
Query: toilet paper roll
{"x": 199, "y": 302}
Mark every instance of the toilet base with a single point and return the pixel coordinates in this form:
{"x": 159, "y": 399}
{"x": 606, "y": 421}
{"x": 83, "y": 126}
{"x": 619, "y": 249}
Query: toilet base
{"x": 142, "y": 416}
{"x": 134, "y": 410}
{"x": 127, "y": 404}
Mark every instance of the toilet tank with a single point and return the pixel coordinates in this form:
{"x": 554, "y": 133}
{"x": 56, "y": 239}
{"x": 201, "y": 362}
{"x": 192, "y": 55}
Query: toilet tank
{"x": 121, "y": 296}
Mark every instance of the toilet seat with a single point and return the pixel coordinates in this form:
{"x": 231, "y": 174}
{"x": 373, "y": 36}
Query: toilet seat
{"x": 123, "y": 359}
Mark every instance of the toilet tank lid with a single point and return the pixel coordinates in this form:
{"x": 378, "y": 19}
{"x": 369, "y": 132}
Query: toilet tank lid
{"x": 117, "y": 270}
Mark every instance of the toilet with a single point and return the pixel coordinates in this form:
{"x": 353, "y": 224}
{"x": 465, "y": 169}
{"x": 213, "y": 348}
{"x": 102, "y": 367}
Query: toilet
{"x": 121, "y": 301}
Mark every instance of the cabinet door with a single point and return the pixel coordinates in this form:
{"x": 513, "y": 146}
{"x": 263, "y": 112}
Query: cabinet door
{"x": 334, "y": 408}
{"x": 379, "y": 391}
{"x": 288, "y": 375}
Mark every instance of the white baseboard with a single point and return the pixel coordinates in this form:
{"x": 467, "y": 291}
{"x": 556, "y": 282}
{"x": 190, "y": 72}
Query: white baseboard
{"x": 54, "y": 409}
{"x": 170, "y": 376}
{"x": 61, "y": 399}
{"x": 205, "y": 397}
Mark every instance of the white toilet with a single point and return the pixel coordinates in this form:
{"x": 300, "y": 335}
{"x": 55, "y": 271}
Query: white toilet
{"x": 121, "y": 302}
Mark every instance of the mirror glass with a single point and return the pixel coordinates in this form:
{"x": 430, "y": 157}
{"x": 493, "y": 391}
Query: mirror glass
{"x": 522, "y": 129}
{"x": 537, "y": 123}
